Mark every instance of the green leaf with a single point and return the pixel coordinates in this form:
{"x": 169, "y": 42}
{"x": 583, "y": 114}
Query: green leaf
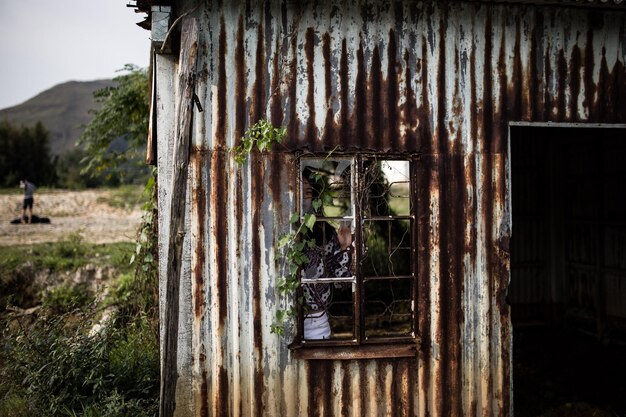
{"x": 309, "y": 221}
{"x": 294, "y": 218}
{"x": 317, "y": 203}
{"x": 283, "y": 241}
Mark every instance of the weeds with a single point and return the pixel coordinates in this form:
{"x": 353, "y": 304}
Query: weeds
{"x": 61, "y": 368}
{"x": 63, "y": 360}
{"x": 69, "y": 254}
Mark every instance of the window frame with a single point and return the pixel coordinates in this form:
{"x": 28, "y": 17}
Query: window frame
{"x": 360, "y": 346}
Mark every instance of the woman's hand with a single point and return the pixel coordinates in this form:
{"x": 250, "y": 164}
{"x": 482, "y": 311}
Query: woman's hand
{"x": 344, "y": 236}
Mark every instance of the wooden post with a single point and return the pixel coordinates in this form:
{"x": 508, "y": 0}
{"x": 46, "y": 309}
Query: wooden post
{"x": 182, "y": 138}
{"x": 151, "y": 156}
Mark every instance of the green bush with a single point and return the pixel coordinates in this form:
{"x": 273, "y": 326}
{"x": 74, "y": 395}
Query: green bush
{"x": 55, "y": 363}
{"x": 65, "y": 298}
{"x": 61, "y": 367}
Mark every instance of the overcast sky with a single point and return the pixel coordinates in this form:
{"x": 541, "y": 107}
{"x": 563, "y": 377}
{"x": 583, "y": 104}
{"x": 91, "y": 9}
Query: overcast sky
{"x": 47, "y": 42}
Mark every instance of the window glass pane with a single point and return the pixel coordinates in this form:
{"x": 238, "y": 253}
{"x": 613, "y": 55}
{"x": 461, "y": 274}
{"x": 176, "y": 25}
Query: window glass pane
{"x": 328, "y": 311}
{"x": 388, "y": 310}
{"x": 387, "y": 248}
{"x": 327, "y": 187}
{"x": 386, "y": 188}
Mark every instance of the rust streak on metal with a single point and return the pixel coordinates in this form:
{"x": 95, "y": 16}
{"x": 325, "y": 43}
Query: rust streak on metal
{"x": 408, "y": 112}
{"x": 376, "y": 110}
{"x": 220, "y": 125}
{"x": 199, "y": 201}
{"x": 547, "y": 102}
{"x": 276, "y": 83}
{"x": 257, "y": 197}
{"x": 574, "y": 83}
{"x": 561, "y": 86}
{"x": 424, "y": 113}
{"x": 204, "y": 387}
{"x": 423, "y": 179}
{"x": 534, "y": 82}
{"x": 487, "y": 107}
{"x": 451, "y": 224}
{"x": 292, "y": 88}
{"x": 392, "y": 127}
{"x": 257, "y": 110}
{"x": 500, "y": 115}
{"x": 473, "y": 80}
{"x": 346, "y": 400}
{"x": 241, "y": 95}
{"x": 320, "y": 388}
{"x": 360, "y": 99}
{"x": 221, "y": 229}
{"x": 309, "y": 50}
{"x": 441, "y": 138}
{"x": 221, "y": 401}
{"x": 516, "y": 94}
{"x": 590, "y": 88}
{"x": 344, "y": 128}
{"x": 329, "y": 128}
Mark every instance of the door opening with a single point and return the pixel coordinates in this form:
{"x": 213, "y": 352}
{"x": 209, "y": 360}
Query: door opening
{"x": 568, "y": 269}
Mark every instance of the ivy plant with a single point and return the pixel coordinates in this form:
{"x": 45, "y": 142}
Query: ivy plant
{"x": 262, "y": 134}
{"x": 293, "y": 246}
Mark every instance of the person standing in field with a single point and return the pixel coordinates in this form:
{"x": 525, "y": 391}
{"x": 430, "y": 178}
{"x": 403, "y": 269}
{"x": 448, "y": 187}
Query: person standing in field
{"x": 27, "y": 211}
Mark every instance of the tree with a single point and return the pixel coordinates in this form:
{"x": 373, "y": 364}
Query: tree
{"x": 24, "y": 152}
{"x": 115, "y": 139}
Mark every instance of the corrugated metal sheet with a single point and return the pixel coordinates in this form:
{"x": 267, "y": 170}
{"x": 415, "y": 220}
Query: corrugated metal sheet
{"x": 439, "y": 78}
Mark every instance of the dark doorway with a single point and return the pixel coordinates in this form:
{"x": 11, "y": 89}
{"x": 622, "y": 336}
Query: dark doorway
{"x": 568, "y": 270}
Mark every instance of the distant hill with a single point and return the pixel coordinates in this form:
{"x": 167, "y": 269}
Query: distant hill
{"x": 63, "y": 109}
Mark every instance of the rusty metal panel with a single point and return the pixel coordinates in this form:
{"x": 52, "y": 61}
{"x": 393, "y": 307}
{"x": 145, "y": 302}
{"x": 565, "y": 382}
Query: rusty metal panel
{"x": 443, "y": 79}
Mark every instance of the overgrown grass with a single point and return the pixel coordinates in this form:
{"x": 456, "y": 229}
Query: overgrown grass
{"x": 68, "y": 254}
{"x": 18, "y": 262}
{"x": 77, "y": 354}
{"x": 55, "y": 363}
{"x": 57, "y": 366}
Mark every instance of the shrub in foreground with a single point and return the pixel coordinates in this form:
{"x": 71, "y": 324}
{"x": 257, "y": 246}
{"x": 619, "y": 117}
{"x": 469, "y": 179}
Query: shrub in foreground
{"x": 58, "y": 366}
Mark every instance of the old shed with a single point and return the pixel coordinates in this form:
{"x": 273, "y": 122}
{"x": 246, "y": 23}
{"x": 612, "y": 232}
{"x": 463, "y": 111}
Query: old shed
{"x": 429, "y": 89}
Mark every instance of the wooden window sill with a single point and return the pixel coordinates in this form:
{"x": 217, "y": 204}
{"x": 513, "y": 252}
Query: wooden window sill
{"x": 396, "y": 350}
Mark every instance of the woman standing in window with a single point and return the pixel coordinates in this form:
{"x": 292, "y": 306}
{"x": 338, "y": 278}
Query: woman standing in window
{"x": 330, "y": 257}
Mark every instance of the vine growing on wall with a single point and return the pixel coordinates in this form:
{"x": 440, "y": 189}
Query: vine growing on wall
{"x": 262, "y": 134}
{"x": 292, "y": 245}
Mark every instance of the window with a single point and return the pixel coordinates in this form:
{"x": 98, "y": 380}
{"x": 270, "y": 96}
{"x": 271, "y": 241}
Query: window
{"x": 359, "y": 284}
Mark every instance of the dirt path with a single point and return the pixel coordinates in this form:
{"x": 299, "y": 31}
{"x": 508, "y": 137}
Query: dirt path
{"x": 85, "y": 212}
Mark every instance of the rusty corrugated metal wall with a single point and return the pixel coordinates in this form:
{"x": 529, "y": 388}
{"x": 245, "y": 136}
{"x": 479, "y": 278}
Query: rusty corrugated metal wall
{"x": 439, "y": 78}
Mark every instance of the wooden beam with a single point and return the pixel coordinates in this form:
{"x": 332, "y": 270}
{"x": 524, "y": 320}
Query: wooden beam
{"x": 151, "y": 147}
{"x": 180, "y": 162}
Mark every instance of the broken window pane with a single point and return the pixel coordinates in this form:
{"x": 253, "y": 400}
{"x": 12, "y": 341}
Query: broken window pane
{"x": 386, "y": 188}
{"x": 327, "y": 187}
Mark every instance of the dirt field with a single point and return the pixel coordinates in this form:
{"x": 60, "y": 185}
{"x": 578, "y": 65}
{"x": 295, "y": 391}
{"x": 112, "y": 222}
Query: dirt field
{"x": 86, "y": 212}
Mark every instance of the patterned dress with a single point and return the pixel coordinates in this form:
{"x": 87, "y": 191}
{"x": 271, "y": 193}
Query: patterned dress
{"x": 330, "y": 261}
